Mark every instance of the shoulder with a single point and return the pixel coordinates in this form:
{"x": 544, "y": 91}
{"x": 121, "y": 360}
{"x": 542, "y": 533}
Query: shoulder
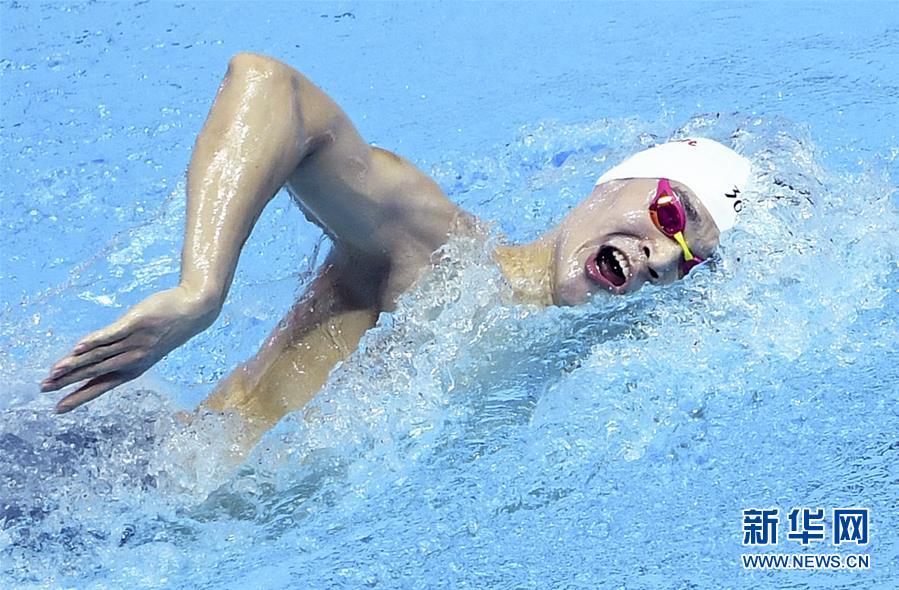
{"x": 415, "y": 212}
{"x": 417, "y": 219}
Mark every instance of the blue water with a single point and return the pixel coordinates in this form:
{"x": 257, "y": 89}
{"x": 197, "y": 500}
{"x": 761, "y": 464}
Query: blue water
{"x": 470, "y": 442}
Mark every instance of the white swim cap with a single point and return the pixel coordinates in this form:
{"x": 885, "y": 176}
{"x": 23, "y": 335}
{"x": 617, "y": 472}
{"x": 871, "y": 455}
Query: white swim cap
{"x": 714, "y": 172}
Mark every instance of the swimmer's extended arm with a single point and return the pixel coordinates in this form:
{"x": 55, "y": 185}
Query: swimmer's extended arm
{"x": 268, "y": 126}
{"x": 252, "y": 139}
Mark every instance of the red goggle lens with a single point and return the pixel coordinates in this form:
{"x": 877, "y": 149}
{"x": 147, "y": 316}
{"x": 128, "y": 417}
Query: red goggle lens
{"x": 668, "y": 216}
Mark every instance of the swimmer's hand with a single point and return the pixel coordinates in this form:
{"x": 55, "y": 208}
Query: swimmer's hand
{"x": 125, "y": 349}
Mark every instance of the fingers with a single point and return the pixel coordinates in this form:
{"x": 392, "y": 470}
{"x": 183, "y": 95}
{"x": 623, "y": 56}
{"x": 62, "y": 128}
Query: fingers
{"x": 125, "y": 360}
{"x": 93, "y": 389}
{"x": 108, "y": 335}
{"x": 66, "y": 365}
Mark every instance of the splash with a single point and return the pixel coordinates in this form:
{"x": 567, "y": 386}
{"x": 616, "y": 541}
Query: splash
{"x": 464, "y": 417}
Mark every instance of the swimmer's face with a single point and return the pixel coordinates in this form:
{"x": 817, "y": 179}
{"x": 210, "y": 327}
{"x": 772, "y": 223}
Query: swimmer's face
{"x": 609, "y": 243}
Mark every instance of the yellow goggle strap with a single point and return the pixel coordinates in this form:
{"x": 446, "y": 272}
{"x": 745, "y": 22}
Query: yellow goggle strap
{"x": 679, "y": 238}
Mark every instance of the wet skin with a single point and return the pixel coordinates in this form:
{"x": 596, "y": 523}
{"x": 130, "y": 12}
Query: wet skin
{"x": 614, "y": 222}
{"x": 270, "y": 127}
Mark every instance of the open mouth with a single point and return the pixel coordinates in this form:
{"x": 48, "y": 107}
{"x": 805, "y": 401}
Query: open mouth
{"x": 610, "y": 266}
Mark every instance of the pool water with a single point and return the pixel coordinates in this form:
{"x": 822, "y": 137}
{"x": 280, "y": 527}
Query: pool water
{"x": 470, "y": 442}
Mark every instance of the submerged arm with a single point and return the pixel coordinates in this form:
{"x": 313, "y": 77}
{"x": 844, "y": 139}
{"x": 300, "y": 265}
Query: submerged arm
{"x": 323, "y": 328}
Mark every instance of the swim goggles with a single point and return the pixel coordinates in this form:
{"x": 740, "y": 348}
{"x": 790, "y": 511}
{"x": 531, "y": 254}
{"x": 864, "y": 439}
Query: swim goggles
{"x": 667, "y": 213}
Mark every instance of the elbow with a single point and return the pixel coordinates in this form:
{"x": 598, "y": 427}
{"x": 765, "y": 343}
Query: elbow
{"x": 273, "y": 89}
{"x": 246, "y": 62}
{"x": 265, "y": 76}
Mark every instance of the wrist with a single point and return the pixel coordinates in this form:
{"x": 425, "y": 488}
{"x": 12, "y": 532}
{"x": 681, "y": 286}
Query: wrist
{"x": 202, "y": 304}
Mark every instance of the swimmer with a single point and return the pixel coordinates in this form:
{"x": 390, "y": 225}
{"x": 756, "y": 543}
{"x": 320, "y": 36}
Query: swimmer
{"x": 650, "y": 219}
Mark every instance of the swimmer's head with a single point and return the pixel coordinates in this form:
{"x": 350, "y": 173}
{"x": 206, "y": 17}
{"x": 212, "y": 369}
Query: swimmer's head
{"x": 649, "y": 219}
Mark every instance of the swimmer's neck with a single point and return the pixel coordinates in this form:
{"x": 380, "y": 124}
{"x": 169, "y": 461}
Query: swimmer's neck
{"x": 528, "y": 267}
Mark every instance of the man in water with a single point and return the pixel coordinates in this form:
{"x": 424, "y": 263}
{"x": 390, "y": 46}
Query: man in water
{"x": 651, "y": 218}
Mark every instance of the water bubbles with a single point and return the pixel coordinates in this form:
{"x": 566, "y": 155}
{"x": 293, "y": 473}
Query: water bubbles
{"x": 464, "y": 414}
